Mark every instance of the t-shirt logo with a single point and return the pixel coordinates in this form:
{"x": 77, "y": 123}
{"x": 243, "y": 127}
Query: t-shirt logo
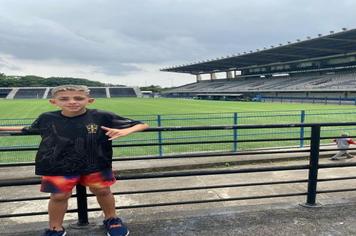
{"x": 92, "y": 128}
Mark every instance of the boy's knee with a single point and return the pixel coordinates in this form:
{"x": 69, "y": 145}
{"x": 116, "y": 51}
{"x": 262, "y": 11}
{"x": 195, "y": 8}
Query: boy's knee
{"x": 61, "y": 196}
{"x": 100, "y": 191}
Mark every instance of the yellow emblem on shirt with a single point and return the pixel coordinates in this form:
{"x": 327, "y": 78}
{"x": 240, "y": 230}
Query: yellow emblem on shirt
{"x": 92, "y": 128}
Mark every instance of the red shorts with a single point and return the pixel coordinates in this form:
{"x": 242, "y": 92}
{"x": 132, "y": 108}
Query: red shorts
{"x": 64, "y": 184}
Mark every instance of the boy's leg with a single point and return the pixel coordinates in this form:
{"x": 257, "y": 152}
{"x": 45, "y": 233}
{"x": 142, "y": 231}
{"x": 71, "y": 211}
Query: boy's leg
{"x": 99, "y": 184}
{"x": 60, "y": 188}
{"x": 348, "y": 155}
{"x": 106, "y": 201}
{"x": 57, "y": 207}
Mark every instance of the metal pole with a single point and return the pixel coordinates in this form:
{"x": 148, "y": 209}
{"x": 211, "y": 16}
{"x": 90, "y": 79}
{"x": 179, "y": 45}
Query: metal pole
{"x": 82, "y": 203}
{"x": 313, "y": 165}
{"x": 235, "y": 132}
{"x": 302, "y": 120}
{"x": 159, "y": 124}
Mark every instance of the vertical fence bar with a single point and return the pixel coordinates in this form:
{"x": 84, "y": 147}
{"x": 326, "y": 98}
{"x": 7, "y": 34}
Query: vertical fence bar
{"x": 82, "y": 203}
{"x": 302, "y": 120}
{"x": 160, "y": 148}
{"x": 313, "y": 165}
{"x": 235, "y": 133}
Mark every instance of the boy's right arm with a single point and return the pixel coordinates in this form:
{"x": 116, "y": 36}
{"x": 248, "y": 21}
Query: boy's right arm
{"x": 11, "y": 128}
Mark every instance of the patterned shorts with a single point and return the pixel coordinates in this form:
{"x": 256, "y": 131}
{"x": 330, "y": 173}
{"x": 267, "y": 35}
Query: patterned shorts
{"x": 64, "y": 184}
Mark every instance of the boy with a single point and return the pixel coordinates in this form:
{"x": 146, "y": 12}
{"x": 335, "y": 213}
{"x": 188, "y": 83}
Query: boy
{"x": 76, "y": 148}
{"x": 343, "y": 143}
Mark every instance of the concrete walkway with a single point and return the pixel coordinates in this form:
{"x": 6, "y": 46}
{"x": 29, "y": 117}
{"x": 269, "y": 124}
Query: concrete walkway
{"x": 261, "y": 216}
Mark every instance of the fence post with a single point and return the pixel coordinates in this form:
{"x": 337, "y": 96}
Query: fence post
{"x": 235, "y": 132}
{"x": 313, "y": 165}
{"x": 159, "y": 124}
{"x": 82, "y": 203}
{"x": 302, "y": 120}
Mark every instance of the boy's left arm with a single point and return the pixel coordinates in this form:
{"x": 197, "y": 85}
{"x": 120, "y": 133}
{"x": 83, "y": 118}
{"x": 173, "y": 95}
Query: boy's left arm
{"x": 117, "y": 133}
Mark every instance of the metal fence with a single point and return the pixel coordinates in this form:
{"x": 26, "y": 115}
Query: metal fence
{"x": 310, "y": 192}
{"x": 199, "y": 136}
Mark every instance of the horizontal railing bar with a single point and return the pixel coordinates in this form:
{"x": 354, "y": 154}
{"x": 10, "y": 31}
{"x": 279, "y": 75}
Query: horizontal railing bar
{"x": 209, "y": 172}
{"x": 208, "y": 201}
{"x": 337, "y": 190}
{"x": 18, "y": 182}
{"x": 336, "y": 179}
{"x": 24, "y": 214}
{"x": 208, "y": 187}
{"x": 11, "y": 149}
{"x": 190, "y": 188}
{"x": 223, "y": 127}
{"x": 24, "y": 199}
{"x": 337, "y": 165}
{"x": 192, "y": 155}
{"x": 2, "y": 165}
{"x": 167, "y": 190}
{"x": 7, "y": 183}
{"x": 164, "y": 204}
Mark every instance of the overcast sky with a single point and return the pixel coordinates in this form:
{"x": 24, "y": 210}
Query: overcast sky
{"x": 128, "y": 41}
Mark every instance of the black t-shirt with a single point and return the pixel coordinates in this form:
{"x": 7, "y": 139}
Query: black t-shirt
{"x": 75, "y": 145}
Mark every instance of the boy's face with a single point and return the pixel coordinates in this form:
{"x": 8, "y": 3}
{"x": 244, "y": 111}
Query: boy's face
{"x": 71, "y": 102}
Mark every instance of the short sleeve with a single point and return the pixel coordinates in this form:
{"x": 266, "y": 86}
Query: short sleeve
{"x": 119, "y": 122}
{"x": 34, "y": 128}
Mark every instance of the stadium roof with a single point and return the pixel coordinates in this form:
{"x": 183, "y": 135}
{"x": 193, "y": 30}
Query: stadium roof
{"x": 334, "y": 44}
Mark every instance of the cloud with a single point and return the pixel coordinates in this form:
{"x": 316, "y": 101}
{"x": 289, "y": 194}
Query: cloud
{"x": 117, "y": 38}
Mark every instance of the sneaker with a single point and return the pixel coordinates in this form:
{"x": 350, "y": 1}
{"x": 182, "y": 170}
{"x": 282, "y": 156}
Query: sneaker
{"x": 349, "y": 157}
{"x": 334, "y": 159}
{"x": 115, "y": 227}
{"x": 49, "y": 232}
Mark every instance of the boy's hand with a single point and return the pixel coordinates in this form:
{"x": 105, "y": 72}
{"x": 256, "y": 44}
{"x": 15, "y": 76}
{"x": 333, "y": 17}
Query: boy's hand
{"x": 115, "y": 133}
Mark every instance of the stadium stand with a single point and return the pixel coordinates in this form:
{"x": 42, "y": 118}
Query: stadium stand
{"x": 4, "y": 92}
{"x": 98, "y": 92}
{"x": 30, "y": 93}
{"x": 44, "y": 92}
{"x": 316, "y": 69}
{"x": 122, "y": 92}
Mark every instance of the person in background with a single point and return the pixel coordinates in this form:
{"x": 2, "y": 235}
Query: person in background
{"x": 343, "y": 144}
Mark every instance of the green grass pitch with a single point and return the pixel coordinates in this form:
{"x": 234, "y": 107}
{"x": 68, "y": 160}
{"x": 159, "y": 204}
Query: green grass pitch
{"x": 31, "y": 108}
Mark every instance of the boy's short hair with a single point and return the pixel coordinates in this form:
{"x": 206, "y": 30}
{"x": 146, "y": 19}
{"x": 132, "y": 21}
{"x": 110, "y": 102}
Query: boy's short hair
{"x": 70, "y": 87}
